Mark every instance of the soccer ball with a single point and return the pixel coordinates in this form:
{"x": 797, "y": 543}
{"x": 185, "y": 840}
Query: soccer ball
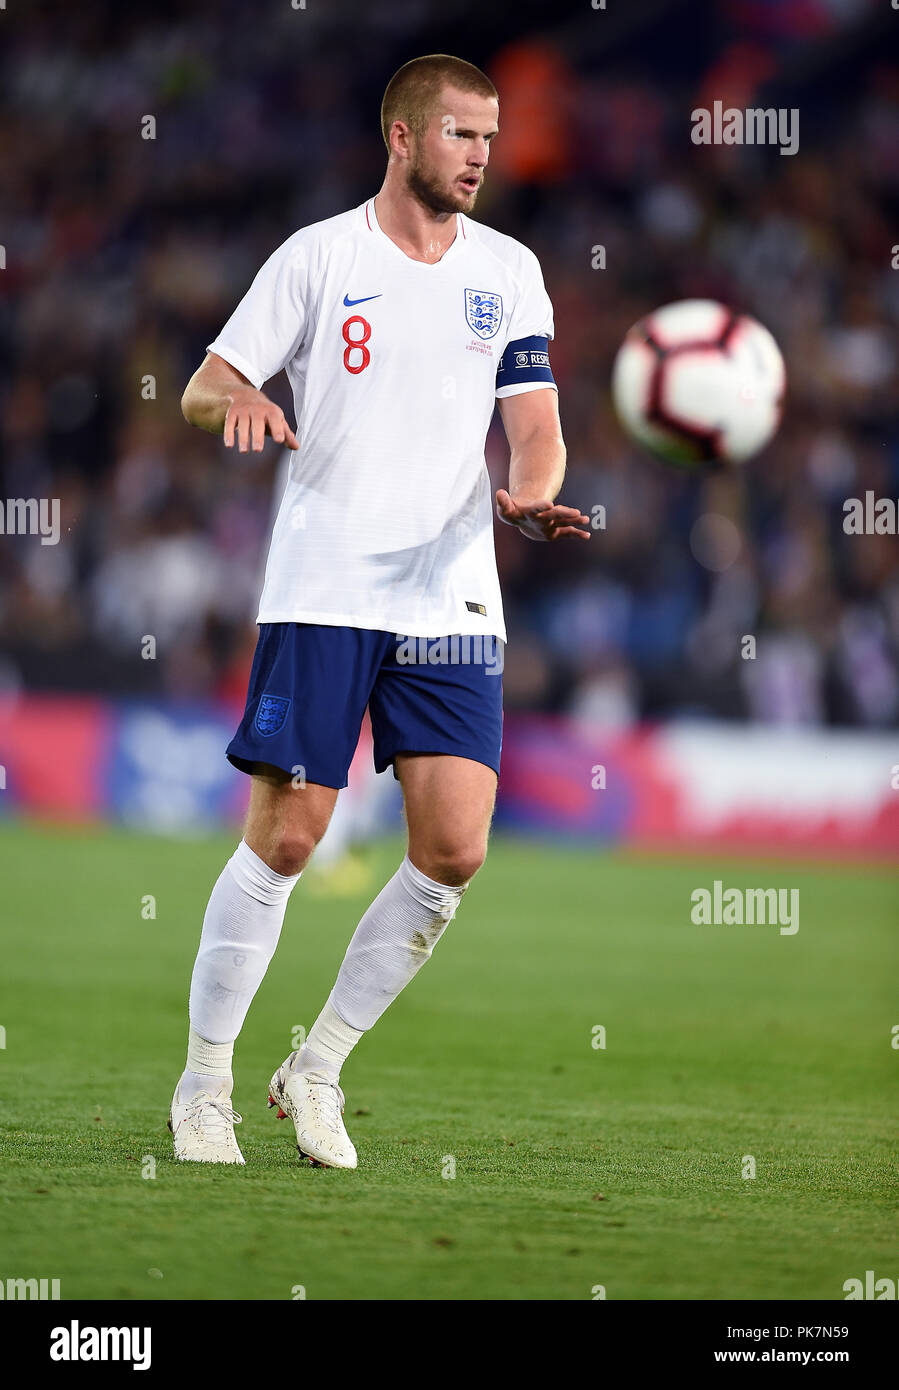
{"x": 698, "y": 384}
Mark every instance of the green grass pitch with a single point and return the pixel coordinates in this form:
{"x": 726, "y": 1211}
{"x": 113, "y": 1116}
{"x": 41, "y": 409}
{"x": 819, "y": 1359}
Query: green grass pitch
{"x": 575, "y": 1166}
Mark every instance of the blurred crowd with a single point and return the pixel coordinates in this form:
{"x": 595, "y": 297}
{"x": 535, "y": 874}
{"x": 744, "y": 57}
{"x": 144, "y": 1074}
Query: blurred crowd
{"x": 125, "y": 254}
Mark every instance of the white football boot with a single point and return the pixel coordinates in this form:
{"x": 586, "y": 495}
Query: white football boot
{"x": 315, "y": 1105}
{"x": 203, "y": 1129}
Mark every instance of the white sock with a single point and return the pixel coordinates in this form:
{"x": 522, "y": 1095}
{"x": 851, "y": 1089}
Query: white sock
{"x": 329, "y": 1044}
{"x": 240, "y": 932}
{"x": 208, "y": 1068}
{"x": 390, "y": 945}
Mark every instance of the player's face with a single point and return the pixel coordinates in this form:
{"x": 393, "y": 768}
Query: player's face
{"x": 447, "y": 166}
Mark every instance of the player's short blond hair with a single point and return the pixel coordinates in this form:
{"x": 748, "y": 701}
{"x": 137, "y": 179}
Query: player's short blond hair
{"x": 413, "y": 91}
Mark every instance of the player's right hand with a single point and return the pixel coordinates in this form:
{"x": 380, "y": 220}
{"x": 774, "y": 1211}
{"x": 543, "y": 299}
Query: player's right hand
{"x": 251, "y": 416}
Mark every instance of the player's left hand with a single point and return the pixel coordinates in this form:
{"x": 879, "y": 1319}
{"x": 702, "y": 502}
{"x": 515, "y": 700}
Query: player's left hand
{"x": 541, "y": 520}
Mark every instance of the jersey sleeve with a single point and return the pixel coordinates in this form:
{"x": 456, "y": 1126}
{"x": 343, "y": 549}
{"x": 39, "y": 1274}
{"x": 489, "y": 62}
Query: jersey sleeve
{"x": 524, "y": 365}
{"x": 269, "y": 324}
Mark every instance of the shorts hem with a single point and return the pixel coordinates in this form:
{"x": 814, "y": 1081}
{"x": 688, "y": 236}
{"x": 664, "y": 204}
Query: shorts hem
{"x": 384, "y": 761}
{"x": 246, "y": 765}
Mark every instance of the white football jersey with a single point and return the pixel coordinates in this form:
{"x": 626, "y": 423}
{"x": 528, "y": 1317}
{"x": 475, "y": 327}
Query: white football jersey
{"x": 387, "y": 518}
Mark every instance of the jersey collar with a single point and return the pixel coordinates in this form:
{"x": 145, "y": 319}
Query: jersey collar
{"x": 372, "y": 226}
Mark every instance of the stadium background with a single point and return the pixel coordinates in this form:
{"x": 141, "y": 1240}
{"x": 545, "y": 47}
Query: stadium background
{"x": 125, "y": 255}
{"x": 578, "y": 1166}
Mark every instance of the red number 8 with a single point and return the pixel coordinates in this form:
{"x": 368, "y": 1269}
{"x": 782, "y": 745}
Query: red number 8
{"x": 358, "y": 343}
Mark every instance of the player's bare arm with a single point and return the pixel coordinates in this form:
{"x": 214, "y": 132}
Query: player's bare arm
{"x": 536, "y": 469}
{"x": 220, "y": 399}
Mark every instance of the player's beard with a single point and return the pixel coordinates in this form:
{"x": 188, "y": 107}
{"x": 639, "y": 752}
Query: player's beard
{"x": 433, "y": 194}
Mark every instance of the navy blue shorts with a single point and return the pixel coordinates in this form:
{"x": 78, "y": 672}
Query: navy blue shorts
{"x": 310, "y": 684}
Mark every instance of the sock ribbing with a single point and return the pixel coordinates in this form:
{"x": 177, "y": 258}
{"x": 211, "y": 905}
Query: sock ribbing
{"x": 330, "y": 1041}
{"x": 206, "y": 1058}
{"x": 254, "y": 876}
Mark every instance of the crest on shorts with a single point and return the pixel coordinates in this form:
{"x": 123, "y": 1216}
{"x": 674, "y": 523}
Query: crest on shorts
{"x": 483, "y": 311}
{"x": 271, "y": 714}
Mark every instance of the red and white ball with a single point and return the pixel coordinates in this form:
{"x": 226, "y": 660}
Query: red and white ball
{"x": 698, "y": 384}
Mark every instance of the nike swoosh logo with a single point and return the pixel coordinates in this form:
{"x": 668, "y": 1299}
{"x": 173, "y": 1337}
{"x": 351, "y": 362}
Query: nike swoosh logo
{"x": 350, "y": 302}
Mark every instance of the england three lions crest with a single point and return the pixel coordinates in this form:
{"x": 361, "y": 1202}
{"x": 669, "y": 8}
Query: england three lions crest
{"x": 271, "y": 714}
{"x": 483, "y": 312}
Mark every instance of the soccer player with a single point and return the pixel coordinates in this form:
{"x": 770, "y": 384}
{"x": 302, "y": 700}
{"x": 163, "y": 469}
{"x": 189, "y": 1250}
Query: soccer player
{"x": 399, "y": 323}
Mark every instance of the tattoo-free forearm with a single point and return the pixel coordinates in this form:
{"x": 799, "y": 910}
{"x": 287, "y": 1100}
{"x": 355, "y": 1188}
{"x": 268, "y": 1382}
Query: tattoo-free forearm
{"x": 207, "y": 397}
{"x": 537, "y": 467}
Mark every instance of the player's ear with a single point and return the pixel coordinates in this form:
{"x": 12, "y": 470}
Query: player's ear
{"x": 400, "y": 139}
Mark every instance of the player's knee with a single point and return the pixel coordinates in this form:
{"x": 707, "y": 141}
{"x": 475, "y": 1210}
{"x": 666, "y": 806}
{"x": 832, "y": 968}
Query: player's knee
{"x": 290, "y": 851}
{"x": 452, "y": 864}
